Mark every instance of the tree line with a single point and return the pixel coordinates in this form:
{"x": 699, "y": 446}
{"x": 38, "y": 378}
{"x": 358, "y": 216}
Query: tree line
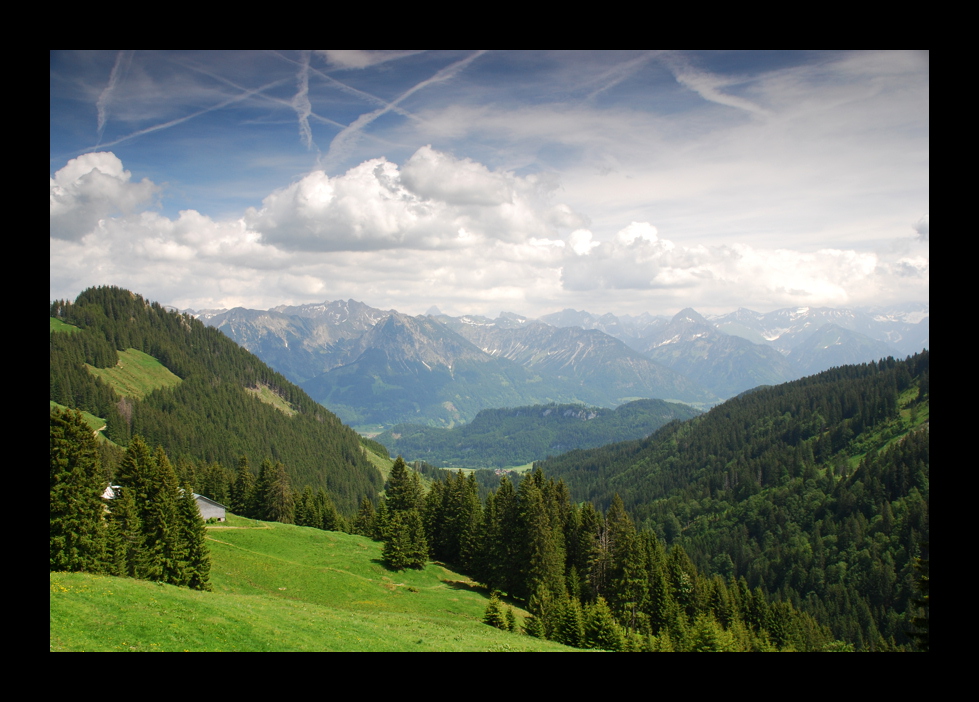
{"x": 210, "y": 416}
{"x": 588, "y": 579}
{"x": 151, "y": 529}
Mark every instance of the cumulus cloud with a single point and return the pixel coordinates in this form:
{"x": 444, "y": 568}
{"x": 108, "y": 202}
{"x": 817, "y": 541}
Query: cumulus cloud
{"x": 438, "y": 176}
{"x": 91, "y": 187}
{"x": 435, "y": 201}
{"x": 370, "y": 235}
{"x": 637, "y": 259}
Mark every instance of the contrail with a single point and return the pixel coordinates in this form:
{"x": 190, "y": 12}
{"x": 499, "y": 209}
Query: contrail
{"x": 300, "y": 102}
{"x": 173, "y": 122}
{"x": 706, "y": 85}
{"x": 343, "y": 87}
{"x": 270, "y": 98}
{"x": 358, "y": 124}
{"x": 620, "y": 72}
{"x": 123, "y": 60}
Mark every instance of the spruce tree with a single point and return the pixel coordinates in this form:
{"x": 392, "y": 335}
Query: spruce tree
{"x": 601, "y": 629}
{"x": 79, "y": 538}
{"x": 364, "y": 524}
{"x": 404, "y": 489}
{"x": 193, "y": 535}
{"x": 127, "y": 538}
{"x": 494, "y": 614}
{"x": 279, "y": 499}
{"x": 242, "y": 489}
{"x": 405, "y": 545}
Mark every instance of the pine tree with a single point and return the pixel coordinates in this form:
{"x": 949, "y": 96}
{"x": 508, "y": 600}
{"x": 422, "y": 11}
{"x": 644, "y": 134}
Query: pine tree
{"x": 162, "y": 523}
{"x": 279, "y": 499}
{"x": 601, "y": 629}
{"x": 128, "y": 541}
{"x": 494, "y": 614}
{"x": 242, "y": 489}
{"x": 364, "y": 524}
{"x": 79, "y": 538}
{"x": 571, "y": 629}
{"x": 193, "y": 535}
{"x": 404, "y": 489}
{"x": 405, "y": 545}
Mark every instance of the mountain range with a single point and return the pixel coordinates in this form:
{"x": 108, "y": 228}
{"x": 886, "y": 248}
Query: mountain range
{"x": 377, "y": 368}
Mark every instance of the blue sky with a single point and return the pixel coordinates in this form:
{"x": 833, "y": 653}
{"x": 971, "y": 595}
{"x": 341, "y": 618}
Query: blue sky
{"x": 482, "y": 181}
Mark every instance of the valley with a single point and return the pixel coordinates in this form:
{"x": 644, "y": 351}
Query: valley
{"x": 790, "y": 517}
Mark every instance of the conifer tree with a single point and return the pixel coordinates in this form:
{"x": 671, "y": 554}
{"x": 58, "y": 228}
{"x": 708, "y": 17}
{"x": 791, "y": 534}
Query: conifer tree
{"x": 128, "y": 541}
{"x": 78, "y": 534}
{"x": 197, "y": 556}
{"x": 364, "y": 524}
{"x": 920, "y": 620}
{"x": 405, "y": 545}
{"x": 279, "y": 499}
{"x": 601, "y": 629}
{"x": 161, "y": 522}
{"x": 511, "y": 620}
{"x": 494, "y": 614}
{"x": 330, "y": 519}
{"x": 571, "y": 629}
{"x": 404, "y": 489}
{"x": 242, "y": 489}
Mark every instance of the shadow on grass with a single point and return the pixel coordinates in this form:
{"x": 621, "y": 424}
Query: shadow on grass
{"x": 466, "y": 585}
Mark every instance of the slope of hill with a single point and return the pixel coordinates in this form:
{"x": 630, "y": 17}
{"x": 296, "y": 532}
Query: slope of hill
{"x": 281, "y": 588}
{"x": 215, "y": 412}
{"x": 512, "y": 437}
{"x": 816, "y": 489}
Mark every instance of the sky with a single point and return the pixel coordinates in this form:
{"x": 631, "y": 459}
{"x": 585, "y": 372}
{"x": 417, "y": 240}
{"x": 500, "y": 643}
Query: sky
{"x": 481, "y": 181}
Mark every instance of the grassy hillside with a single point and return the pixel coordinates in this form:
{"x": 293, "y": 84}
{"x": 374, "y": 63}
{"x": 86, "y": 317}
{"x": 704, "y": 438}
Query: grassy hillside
{"x": 58, "y": 326}
{"x": 193, "y": 391}
{"x": 135, "y": 375}
{"x": 279, "y": 587}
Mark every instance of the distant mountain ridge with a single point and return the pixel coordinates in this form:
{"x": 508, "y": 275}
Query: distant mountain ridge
{"x": 437, "y": 369}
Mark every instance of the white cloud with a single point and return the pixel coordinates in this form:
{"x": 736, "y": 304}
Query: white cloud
{"x": 367, "y": 235}
{"x": 637, "y": 259}
{"x": 91, "y": 187}
{"x": 360, "y": 58}
{"x": 439, "y": 176}
{"x": 428, "y": 204}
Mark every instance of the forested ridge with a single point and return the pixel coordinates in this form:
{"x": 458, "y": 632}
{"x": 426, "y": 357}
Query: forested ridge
{"x": 519, "y": 435}
{"x": 210, "y": 417}
{"x": 816, "y": 490}
{"x": 794, "y": 517}
{"x": 588, "y": 579}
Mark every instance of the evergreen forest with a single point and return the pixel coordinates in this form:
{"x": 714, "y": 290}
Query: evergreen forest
{"x": 497, "y": 438}
{"x": 816, "y": 491}
{"x": 791, "y": 518}
{"x": 214, "y": 413}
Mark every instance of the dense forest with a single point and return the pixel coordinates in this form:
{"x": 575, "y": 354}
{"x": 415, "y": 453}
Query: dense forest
{"x": 212, "y": 414}
{"x": 517, "y": 436}
{"x": 588, "y": 579}
{"x": 150, "y": 529}
{"x": 816, "y": 490}
{"x": 793, "y": 517}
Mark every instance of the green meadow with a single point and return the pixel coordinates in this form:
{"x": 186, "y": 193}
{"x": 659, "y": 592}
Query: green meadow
{"x": 279, "y": 587}
{"x": 136, "y": 374}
